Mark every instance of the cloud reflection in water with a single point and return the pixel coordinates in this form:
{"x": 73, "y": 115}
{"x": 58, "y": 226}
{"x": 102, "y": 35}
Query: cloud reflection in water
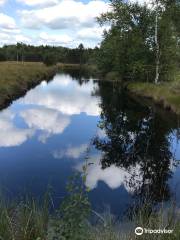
{"x": 47, "y": 108}
{"x": 113, "y": 176}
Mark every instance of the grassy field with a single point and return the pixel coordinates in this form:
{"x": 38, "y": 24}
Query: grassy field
{"x": 164, "y": 94}
{"x": 17, "y": 78}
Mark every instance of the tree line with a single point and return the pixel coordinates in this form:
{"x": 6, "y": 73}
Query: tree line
{"x": 143, "y": 41}
{"x": 50, "y": 55}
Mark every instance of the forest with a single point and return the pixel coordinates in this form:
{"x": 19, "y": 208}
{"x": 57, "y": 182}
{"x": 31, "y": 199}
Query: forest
{"x": 48, "y": 54}
{"x": 142, "y": 43}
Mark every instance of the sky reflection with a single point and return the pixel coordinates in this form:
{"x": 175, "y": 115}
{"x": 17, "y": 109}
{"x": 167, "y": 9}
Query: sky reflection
{"x": 46, "y": 135}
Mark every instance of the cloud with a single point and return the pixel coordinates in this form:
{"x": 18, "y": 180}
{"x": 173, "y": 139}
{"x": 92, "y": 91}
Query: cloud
{"x": 10, "y": 135}
{"x": 71, "y": 98}
{"x": 94, "y": 33}
{"x": 67, "y": 14}
{"x": 61, "y": 39}
{"x": 64, "y": 22}
{"x": 2, "y": 2}
{"x": 55, "y": 22}
{"x": 39, "y": 3}
{"x": 71, "y": 152}
{"x": 22, "y": 38}
{"x": 113, "y": 176}
{"x": 101, "y": 133}
{"x": 49, "y": 121}
{"x": 9, "y": 32}
{"x": 12, "y": 38}
{"x": 7, "y": 22}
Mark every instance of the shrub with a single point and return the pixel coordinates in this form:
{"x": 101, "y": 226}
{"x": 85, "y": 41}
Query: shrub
{"x": 49, "y": 59}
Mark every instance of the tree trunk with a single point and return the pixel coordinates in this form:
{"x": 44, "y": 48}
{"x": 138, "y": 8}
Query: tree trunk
{"x": 17, "y": 57}
{"x": 157, "y": 50}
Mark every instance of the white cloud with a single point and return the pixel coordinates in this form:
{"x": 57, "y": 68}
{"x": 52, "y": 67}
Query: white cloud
{"x": 101, "y": 133}
{"x": 2, "y": 2}
{"x": 13, "y": 38}
{"x": 22, "y": 38}
{"x": 71, "y": 98}
{"x": 93, "y": 33}
{"x": 62, "y": 39}
{"x": 71, "y": 152}
{"x": 10, "y": 135}
{"x": 5, "y": 38}
{"x": 113, "y": 176}
{"x": 39, "y": 3}
{"x": 67, "y": 14}
{"x": 76, "y": 21}
{"x": 48, "y": 120}
{"x": 58, "y": 22}
{"x": 9, "y": 32}
{"x": 7, "y": 22}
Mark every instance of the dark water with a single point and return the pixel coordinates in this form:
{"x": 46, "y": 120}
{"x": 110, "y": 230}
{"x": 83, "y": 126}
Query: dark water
{"x": 133, "y": 148}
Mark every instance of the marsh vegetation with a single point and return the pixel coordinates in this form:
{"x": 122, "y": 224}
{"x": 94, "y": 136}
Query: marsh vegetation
{"x": 17, "y": 77}
{"x": 76, "y": 220}
{"x": 133, "y": 145}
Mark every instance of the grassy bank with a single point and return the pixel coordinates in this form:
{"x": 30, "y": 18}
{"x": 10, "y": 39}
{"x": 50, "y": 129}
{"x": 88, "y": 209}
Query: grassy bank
{"x": 75, "y": 219}
{"x": 29, "y": 220}
{"x": 164, "y": 94}
{"x": 17, "y": 78}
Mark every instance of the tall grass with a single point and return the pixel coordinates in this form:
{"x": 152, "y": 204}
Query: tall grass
{"x": 163, "y": 218}
{"x": 31, "y": 220}
{"x": 17, "y": 78}
{"x": 165, "y": 94}
{"x": 26, "y": 220}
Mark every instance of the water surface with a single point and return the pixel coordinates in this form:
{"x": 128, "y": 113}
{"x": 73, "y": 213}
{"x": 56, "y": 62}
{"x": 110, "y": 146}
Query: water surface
{"x": 133, "y": 148}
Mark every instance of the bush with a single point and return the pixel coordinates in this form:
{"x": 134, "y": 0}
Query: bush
{"x": 2, "y": 56}
{"x": 113, "y": 76}
{"x": 49, "y": 59}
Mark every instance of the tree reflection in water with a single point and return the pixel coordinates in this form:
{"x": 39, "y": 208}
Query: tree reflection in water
{"x": 80, "y": 75}
{"x": 136, "y": 136}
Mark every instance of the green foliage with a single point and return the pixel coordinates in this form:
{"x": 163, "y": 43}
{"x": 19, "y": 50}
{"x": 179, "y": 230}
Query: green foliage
{"x": 50, "y": 54}
{"x": 24, "y": 221}
{"x": 74, "y": 211}
{"x": 2, "y": 56}
{"x": 81, "y": 53}
{"x": 112, "y": 76}
{"x": 49, "y": 59}
{"x": 166, "y": 94}
{"x": 129, "y": 46}
{"x": 31, "y": 220}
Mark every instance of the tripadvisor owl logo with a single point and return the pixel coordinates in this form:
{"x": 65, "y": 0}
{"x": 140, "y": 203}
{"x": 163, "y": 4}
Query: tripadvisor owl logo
{"x": 139, "y": 231}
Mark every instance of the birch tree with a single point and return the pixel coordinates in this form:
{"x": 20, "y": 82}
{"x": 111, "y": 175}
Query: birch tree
{"x": 156, "y": 4}
{"x": 143, "y": 41}
{"x": 166, "y": 37}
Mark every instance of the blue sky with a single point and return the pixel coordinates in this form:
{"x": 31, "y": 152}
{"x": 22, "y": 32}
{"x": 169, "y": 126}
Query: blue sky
{"x": 53, "y": 22}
